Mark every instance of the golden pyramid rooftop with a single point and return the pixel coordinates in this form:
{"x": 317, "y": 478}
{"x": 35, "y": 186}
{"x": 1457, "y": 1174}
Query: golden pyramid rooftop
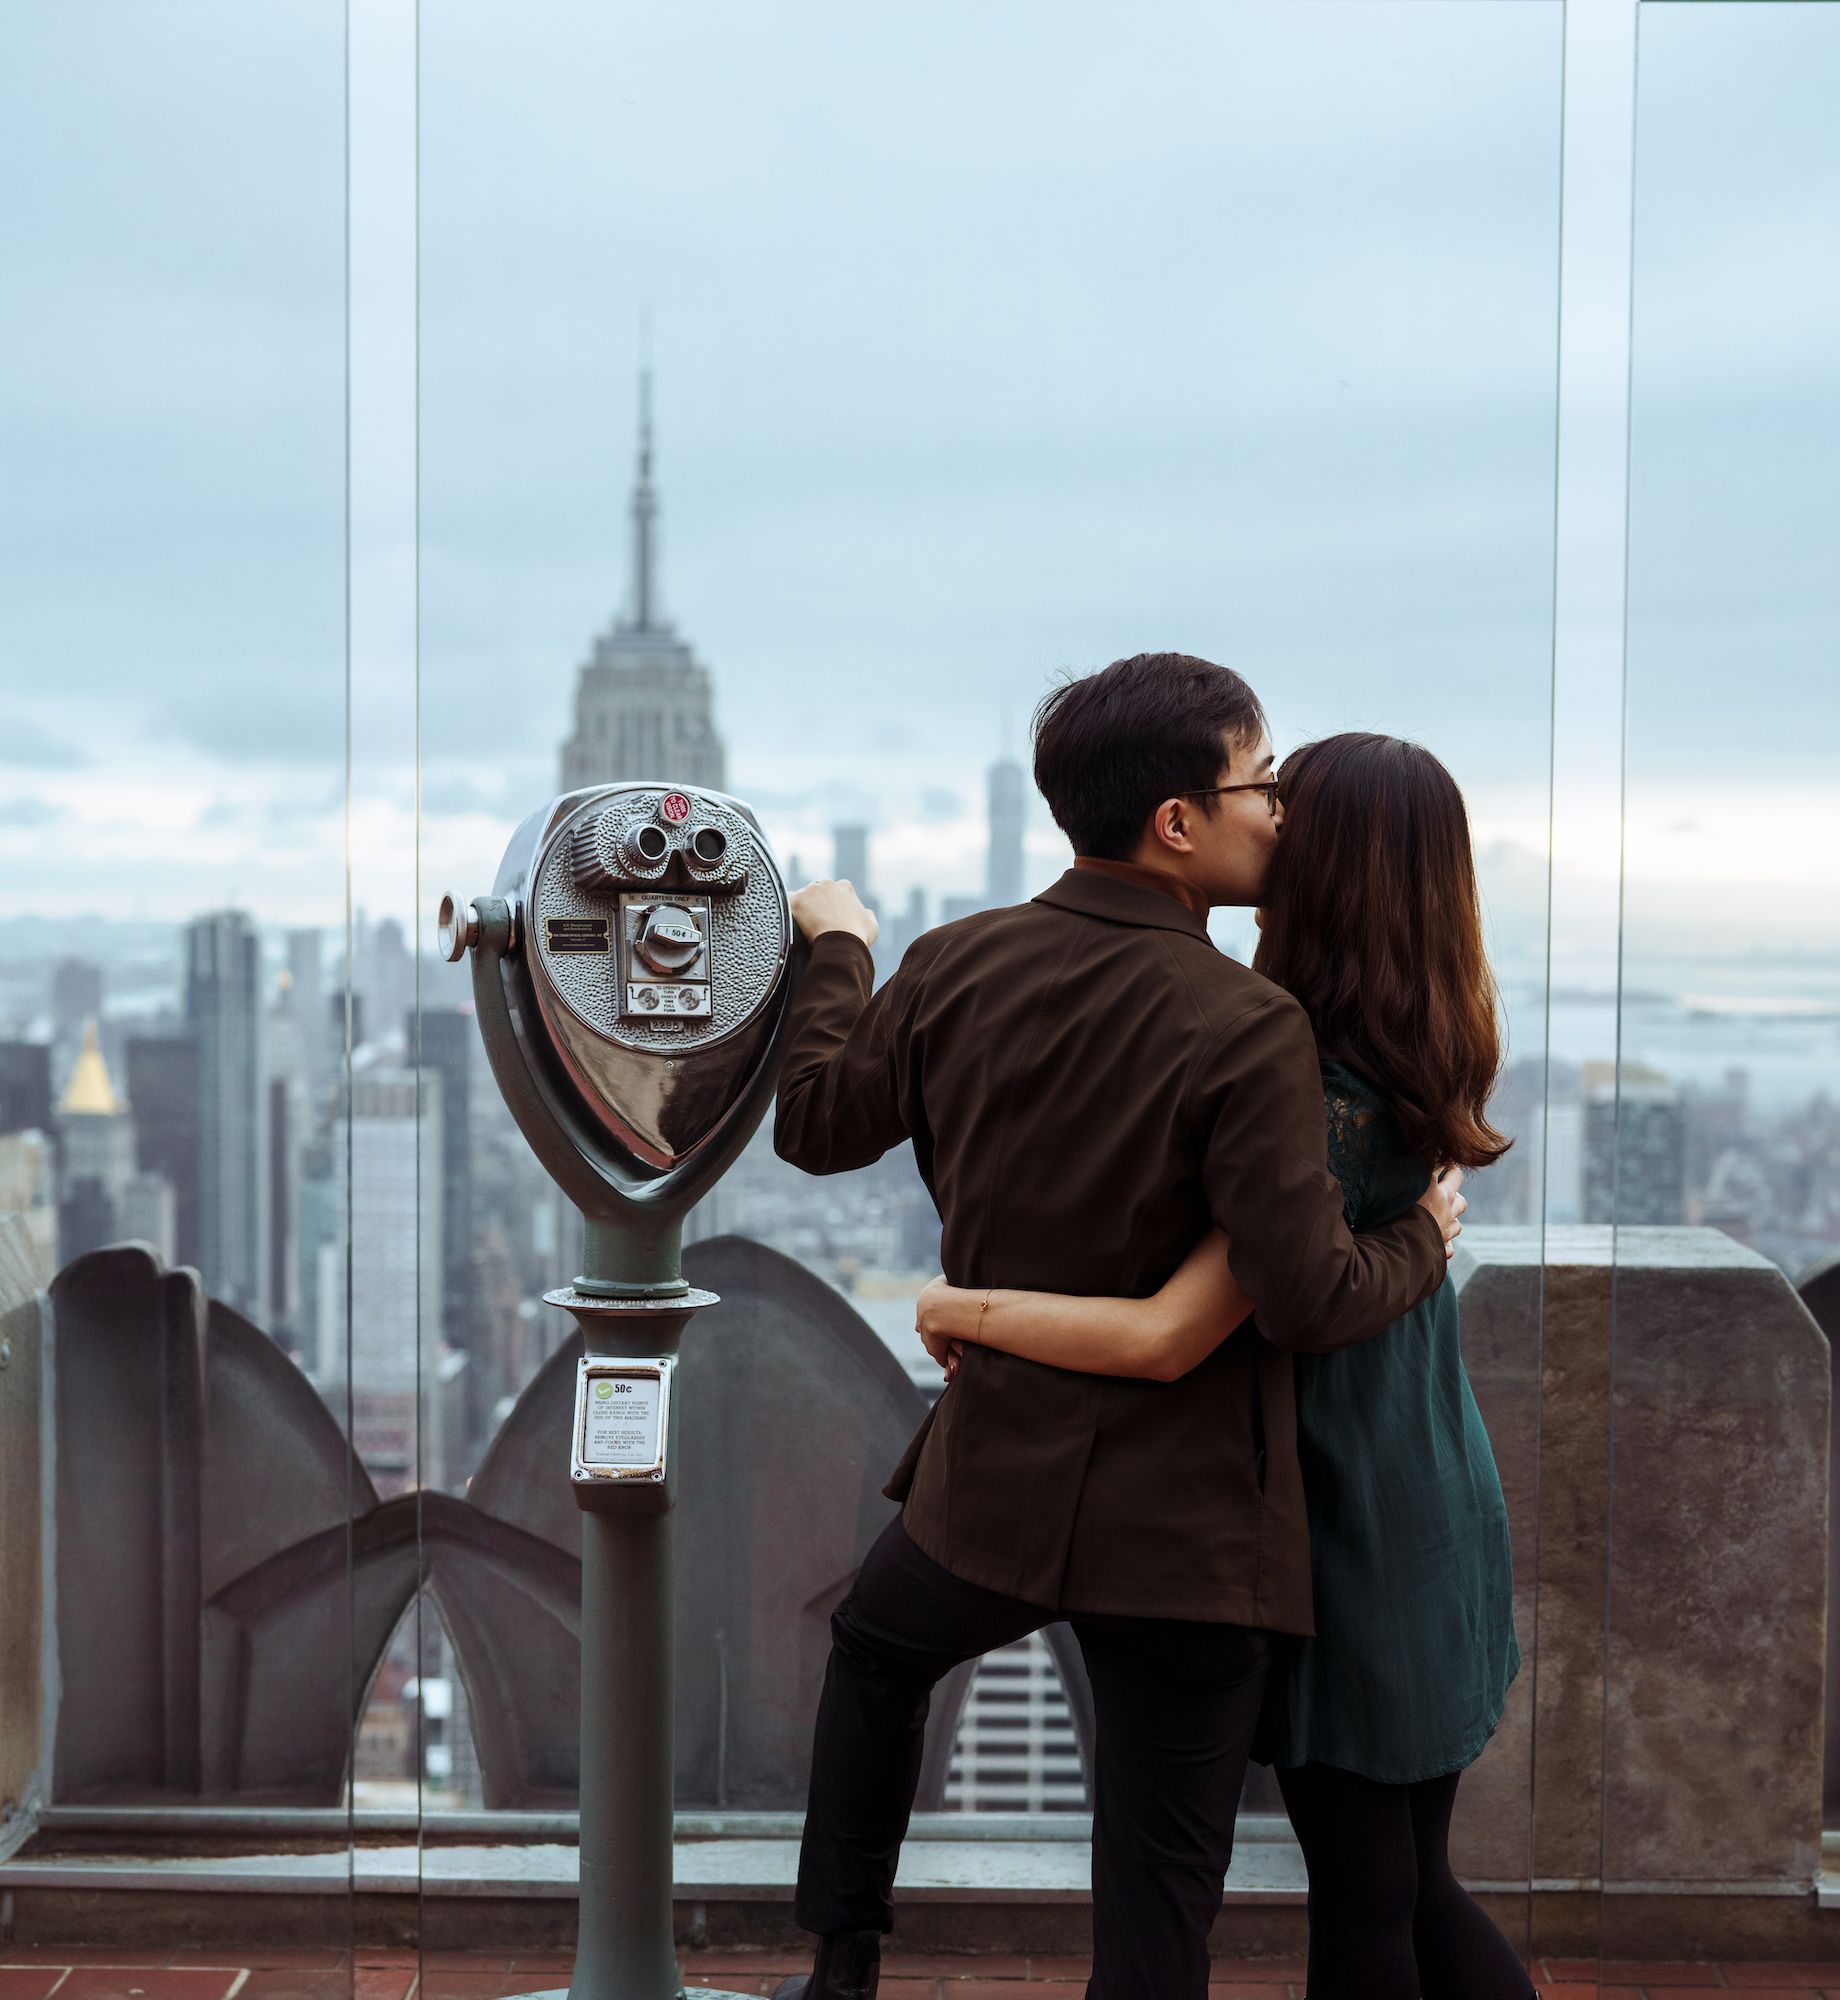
{"x": 89, "y": 1093}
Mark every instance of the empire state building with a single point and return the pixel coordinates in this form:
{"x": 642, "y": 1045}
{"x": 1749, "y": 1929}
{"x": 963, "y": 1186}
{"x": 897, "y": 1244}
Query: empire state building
{"x": 644, "y": 704}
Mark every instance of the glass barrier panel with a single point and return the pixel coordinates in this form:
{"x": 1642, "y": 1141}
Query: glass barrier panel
{"x": 1711, "y": 1133}
{"x": 174, "y": 1021}
{"x": 802, "y": 393}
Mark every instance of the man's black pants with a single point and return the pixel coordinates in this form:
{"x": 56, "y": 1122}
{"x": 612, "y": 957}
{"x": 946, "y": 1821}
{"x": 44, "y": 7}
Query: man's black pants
{"x": 1175, "y": 1702}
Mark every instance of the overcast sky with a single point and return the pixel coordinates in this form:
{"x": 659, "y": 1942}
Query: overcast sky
{"x": 991, "y": 342}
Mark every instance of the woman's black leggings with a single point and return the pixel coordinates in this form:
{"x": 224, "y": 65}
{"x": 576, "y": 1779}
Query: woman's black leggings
{"x": 1388, "y": 1920}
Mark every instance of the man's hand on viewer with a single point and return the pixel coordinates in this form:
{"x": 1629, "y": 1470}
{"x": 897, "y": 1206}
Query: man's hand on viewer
{"x": 834, "y": 906}
{"x": 1445, "y": 1201}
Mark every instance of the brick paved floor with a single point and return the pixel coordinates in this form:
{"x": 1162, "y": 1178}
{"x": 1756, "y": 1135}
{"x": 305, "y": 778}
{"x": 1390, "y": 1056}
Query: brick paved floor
{"x": 63, "y": 1972}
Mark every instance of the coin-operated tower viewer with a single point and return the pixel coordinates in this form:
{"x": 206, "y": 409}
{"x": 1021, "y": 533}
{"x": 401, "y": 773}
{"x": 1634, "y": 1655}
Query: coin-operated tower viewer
{"x": 631, "y": 971}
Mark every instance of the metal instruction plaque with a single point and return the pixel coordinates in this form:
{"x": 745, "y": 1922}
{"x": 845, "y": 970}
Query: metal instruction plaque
{"x": 666, "y": 955}
{"x": 622, "y": 1420}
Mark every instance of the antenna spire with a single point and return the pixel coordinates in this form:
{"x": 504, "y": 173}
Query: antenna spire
{"x": 645, "y": 498}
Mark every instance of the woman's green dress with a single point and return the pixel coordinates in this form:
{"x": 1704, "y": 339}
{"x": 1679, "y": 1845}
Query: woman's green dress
{"x": 1415, "y": 1644}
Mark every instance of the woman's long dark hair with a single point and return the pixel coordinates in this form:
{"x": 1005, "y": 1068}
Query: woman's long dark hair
{"x": 1372, "y": 919}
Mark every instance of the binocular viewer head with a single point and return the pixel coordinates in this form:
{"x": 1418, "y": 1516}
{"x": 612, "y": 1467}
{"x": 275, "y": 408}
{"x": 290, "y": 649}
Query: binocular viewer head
{"x": 642, "y": 935}
{"x": 642, "y": 840}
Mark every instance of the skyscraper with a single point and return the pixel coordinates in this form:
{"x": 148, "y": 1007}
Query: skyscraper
{"x": 644, "y": 704}
{"x": 850, "y": 859}
{"x": 1635, "y": 1147}
{"x": 1017, "y": 1749}
{"x": 287, "y": 1127}
{"x": 76, "y": 998}
{"x": 96, "y": 1153}
{"x": 910, "y": 924}
{"x": 308, "y": 990}
{"x": 397, "y": 1272}
{"x": 445, "y": 1049}
{"x": 168, "y": 1141}
{"x": 1003, "y": 865}
{"x": 25, "y": 1087}
{"x": 223, "y": 1010}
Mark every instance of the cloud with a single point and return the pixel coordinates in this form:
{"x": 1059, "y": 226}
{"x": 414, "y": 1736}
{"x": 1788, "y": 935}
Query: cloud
{"x": 1201, "y": 328}
{"x": 28, "y": 813}
{"x": 29, "y": 745}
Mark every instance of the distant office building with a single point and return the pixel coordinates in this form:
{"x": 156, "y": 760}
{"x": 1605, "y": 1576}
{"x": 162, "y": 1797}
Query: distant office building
{"x": 223, "y": 1011}
{"x": 1635, "y": 1148}
{"x": 25, "y": 1087}
{"x": 1563, "y": 1160}
{"x": 320, "y": 1226}
{"x": 952, "y": 908}
{"x": 28, "y": 1193}
{"x": 162, "y": 1076}
{"x": 850, "y": 860}
{"x": 644, "y": 703}
{"x": 307, "y": 985}
{"x": 386, "y": 978}
{"x": 148, "y": 1214}
{"x": 344, "y": 1019}
{"x": 95, "y": 1153}
{"x": 396, "y": 1290}
{"x": 87, "y": 1220}
{"x": 1017, "y": 1750}
{"x": 902, "y": 931}
{"x": 76, "y": 997}
{"x": 1003, "y": 863}
{"x": 287, "y": 1126}
{"x": 445, "y": 1050}
{"x": 1549, "y": 1138}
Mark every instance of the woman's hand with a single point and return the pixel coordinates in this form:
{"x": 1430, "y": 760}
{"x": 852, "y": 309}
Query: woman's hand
{"x": 934, "y": 1312}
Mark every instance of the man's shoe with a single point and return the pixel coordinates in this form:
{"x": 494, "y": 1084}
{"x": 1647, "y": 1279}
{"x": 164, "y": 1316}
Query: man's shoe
{"x": 849, "y": 1967}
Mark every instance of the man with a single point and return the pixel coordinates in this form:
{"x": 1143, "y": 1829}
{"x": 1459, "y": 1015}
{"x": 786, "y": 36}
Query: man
{"x": 1090, "y": 1085}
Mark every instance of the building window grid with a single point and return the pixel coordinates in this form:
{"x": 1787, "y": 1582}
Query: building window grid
{"x": 1017, "y": 1749}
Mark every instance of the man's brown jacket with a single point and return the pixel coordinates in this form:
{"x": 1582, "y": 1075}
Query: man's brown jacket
{"x": 1089, "y": 1084}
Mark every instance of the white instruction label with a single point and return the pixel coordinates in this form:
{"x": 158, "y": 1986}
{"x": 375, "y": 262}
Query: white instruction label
{"x": 620, "y": 1426}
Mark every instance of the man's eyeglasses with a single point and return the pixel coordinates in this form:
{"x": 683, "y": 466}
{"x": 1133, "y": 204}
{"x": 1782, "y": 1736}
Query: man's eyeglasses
{"x": 1269, "y": 786}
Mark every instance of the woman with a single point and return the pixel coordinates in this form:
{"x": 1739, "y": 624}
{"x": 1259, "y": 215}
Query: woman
{"x": 1372, "y": 920}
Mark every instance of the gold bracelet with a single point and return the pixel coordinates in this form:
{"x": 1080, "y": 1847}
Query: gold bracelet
{"x": 982, "y": 1310}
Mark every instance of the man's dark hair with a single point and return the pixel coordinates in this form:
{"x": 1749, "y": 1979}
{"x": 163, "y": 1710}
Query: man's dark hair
{"x": 1112, "y": 746}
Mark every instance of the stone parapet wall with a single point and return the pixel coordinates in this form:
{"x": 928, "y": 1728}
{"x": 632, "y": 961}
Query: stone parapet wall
{"x": 22, "y": 1625}
{"x": 1820, "y": 1293}
{"x": 1658, "y": 1401}
{"x": 1659, "y": 1405}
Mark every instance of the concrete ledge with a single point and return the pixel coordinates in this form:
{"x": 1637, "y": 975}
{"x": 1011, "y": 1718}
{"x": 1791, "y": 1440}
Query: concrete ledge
{"x": 965, "y": 1895}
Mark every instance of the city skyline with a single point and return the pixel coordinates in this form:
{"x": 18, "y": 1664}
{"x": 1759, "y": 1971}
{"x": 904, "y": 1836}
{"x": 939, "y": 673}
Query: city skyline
{"x": 929, "y": 515}
{"x": 991, "y": 345}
